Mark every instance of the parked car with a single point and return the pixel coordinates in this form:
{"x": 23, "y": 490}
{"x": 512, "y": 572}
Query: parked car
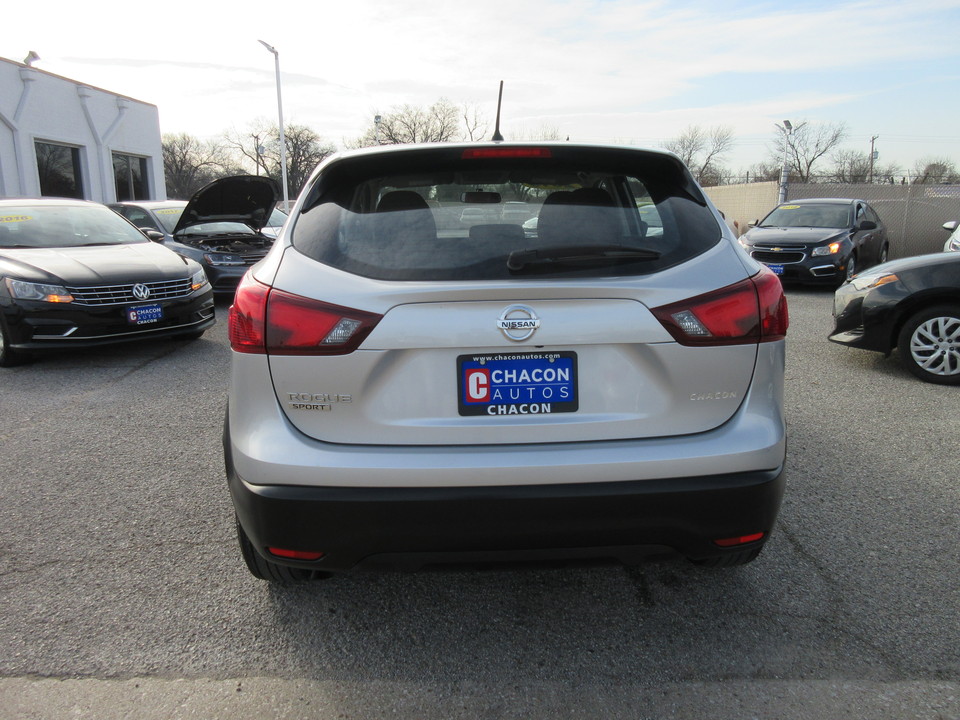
{"x": 74, "y": 274}
{"x": 402, "y": 397}
{"x": 274, "y": 223}
{"x": 913, "y": 305}
{"x": 818, "y": 241}
{"x": 953, "y": 242}
{"x": 220, "y": 227}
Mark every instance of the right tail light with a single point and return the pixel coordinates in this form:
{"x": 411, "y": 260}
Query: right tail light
{"x": 751, "y": 311}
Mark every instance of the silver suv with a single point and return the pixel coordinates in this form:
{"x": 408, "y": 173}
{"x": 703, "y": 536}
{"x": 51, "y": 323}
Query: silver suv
{"x": 408, "y": 390}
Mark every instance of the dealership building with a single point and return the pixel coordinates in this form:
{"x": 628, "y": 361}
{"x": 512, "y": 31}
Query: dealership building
{"x": 61, "y": 137}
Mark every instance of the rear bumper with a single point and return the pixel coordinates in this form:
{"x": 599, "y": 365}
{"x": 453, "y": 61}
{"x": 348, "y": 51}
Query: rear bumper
{"x": 408, "y": 528}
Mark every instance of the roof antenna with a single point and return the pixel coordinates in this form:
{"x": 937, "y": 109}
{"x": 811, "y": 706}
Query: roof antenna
{"x": 497, "y": 137}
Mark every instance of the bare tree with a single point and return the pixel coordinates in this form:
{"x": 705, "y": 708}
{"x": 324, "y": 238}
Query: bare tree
{"x": 701, "y": 149}
{"x": 414, "y": 124}
{"x": 544, "y": 133}
{"x": 259, "y": 147}
{"x": 935, "y": 171}
{"x": 852, "y": 166}
{"x": 475, "y": 124}
{"x": 807, "y": 144}
{"x": 190, "y": 163}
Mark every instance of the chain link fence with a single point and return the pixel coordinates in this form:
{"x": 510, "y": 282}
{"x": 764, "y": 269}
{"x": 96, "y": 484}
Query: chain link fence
{"x": 914, "y": 214}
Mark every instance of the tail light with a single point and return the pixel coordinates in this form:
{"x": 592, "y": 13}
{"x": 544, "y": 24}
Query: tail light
{"x": 740, "y": 540}
{"x": 264, "y": 320}
{"x": 754, "y": 310}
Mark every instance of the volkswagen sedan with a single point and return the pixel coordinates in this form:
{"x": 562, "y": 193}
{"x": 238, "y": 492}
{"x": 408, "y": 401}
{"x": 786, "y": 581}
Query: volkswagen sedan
{"x": 74, "y": 274}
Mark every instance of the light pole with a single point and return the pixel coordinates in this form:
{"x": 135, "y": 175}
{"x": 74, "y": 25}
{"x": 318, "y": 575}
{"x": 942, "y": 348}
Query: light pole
{"x": 784, "y": 171}
{"x": 283, "y": 139}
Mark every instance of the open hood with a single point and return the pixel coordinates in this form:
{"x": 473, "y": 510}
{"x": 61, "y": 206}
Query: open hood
{"x": 248, "y": 199}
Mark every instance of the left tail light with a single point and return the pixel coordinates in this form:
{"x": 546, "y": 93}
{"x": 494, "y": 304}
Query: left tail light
{"x": 264, "y": 320}
{"x": 754, "y": 310}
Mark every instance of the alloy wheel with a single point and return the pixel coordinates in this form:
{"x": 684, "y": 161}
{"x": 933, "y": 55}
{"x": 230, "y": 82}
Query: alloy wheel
{"x": 935, "y": 346}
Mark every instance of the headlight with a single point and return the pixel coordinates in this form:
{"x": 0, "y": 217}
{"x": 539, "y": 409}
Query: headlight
{"x": 953, "y": 245}
{"x": 223, "y": 259}
{"x": 24, "y": 290}
{"x": 198, "y": 280}
{"x": 831, "y": 249}
{"x": 872, "y": 280}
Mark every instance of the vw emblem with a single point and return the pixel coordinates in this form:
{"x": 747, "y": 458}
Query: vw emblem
{"x": 518, "y": 323}
{"x": 141, "y": 291}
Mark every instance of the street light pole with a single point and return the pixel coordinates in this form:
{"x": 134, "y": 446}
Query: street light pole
{"x": 283, "y": 139}
{"x": 784, "y": 171}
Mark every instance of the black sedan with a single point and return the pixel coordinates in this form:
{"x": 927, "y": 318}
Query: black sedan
{"x": 226, "y": 226}
{"x": 821, "y": 241}
{"x": 75, "y": 274}
{"x": 911, "y": 304}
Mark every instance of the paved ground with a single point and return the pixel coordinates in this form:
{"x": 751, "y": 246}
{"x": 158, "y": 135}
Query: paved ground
{"x": 123, "y": 593}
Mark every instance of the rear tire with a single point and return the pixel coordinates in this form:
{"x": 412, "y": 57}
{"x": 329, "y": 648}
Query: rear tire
{"x": 850, "y": 271}
{"x": 730, "y": 559}
{"x": 264, "y": 569}
{"x": 884, "y": 254}
{"x": 929, "y": 345}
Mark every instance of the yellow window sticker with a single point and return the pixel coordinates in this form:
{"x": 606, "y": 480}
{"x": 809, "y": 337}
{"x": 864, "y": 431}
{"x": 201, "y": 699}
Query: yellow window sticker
{"x": 789, "y": 207}
{"x": 169, "y": 211}
{"x": 14, "y": 218}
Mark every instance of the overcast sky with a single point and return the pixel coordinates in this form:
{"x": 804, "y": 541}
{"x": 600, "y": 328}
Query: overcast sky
{"x": 621, "y": 71}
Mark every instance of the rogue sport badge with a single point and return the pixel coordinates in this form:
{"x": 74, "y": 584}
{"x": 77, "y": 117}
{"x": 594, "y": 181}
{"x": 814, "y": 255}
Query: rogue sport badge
{"x": 518, "y": 323}
{"x": 141, "y": 291}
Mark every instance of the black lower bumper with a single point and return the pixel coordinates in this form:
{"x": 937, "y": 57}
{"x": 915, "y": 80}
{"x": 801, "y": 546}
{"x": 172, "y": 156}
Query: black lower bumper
{"x": 408, "y": 528}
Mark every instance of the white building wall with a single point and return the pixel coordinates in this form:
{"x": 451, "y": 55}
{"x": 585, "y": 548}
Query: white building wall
{"x": 36, "y": 105}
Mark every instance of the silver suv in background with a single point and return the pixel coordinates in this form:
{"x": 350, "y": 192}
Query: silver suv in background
{"x": 407, "y": 390}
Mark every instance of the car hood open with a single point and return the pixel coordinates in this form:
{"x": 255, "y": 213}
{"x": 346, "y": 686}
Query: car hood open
{"x": 242, "y": 198}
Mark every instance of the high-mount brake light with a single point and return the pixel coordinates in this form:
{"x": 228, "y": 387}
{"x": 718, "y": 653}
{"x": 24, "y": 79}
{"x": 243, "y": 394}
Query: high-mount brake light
{"x": 265, "y": 320}
{"x": 506, "y": 152}
{"x": 750, "y": 311}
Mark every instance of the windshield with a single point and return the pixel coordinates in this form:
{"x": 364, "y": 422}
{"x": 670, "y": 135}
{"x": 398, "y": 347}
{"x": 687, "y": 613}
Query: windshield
{"x": 441, "y": 215}
{"x": 168, "y": 217}
{"x": 213, "y": 229}
{"x": 277, "y": 218}
{"x": 63, "y": 226}
{"x": 815, "y": 216}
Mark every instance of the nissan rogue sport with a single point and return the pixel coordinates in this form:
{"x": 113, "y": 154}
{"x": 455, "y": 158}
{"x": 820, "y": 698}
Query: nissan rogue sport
{"x": 408, "y": 389}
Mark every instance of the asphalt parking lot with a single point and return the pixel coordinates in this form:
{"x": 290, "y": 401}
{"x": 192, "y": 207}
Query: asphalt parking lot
{"x": 124, "y": 593}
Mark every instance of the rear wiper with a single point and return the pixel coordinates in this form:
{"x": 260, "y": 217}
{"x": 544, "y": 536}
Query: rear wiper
{"x": 520, "y": 259}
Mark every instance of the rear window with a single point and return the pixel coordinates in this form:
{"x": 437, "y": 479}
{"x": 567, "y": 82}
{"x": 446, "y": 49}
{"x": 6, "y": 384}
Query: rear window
{"x": 443, "y": 214}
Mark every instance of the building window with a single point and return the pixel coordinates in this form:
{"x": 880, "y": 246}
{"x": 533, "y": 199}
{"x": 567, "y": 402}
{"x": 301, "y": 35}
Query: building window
{"x": 59, "y": 169}
{"x": 129, "y": 174}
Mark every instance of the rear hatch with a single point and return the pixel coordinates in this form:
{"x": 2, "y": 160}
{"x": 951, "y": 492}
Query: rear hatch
{"x": 391, "y": 323}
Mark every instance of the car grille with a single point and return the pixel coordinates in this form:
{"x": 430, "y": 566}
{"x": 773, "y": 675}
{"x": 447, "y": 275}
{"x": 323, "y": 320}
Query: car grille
{"x": 778, "y": 257}
{"x": 252, "y": 258}
{"x": 122, "y": 294}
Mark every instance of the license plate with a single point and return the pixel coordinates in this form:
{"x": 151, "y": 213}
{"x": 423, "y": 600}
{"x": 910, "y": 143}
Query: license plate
{"x": 777, "y": 269}
{"x": 533, "y": 383}
{"x": 144, "y": 314}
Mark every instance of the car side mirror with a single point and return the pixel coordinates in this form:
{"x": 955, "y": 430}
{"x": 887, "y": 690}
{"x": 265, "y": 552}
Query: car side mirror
{"x": 154, "y": 235}
{"x": 951, "y": 225}
{"x": 753, "y": 224}
{"x": 867, "y": 225}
